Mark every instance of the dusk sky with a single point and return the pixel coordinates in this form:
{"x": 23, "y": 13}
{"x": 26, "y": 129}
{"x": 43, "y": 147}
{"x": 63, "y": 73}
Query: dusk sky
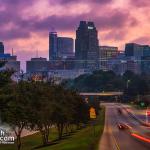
{"x": 25, "y": 24}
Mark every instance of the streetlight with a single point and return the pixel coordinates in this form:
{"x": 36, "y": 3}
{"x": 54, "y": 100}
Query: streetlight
{"x": 127, "y": 86}
{"x": 128, "y": 81}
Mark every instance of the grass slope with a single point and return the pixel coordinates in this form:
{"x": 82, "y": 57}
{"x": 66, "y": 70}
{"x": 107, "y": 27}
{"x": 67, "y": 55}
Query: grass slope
{"x": 84, "y": 139}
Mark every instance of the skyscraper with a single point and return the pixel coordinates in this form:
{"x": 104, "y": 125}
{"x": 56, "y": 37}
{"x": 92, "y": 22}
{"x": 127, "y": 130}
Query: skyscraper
{"x": 60, "y": 47}
{"x": 65, "y": 47}
{"x": 86, "y": 45}
{"x": 81, "y": 41}
{"x": 1, "y": 48}
{"x": 53, "y": 51}
{"x": 133, "y": 49}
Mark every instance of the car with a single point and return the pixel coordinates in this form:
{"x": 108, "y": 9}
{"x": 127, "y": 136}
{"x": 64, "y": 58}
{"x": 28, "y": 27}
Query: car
{"x": 119, "y": 111}
{"x": 123, "y": 126}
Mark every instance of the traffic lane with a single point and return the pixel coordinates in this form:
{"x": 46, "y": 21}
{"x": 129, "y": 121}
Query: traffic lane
{"x": 107, "y": 142}
{"x": 138, "y": 131}
{"x": 124, "y": 116}
{"x": 141, "y": 114}
{"x": 123, "y": 138}
{"x": 136, "y": 126}
{"x": 130, "y": 120}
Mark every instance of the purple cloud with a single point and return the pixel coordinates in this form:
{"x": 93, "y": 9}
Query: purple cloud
{"x": 113, "y": 20}
{"x": 116, "y": 22}
{"x": 117, "y": 19}
{"x": 16, "y": 3}
{"x": 85, "y": 1}
{"x": 14, "y": 33}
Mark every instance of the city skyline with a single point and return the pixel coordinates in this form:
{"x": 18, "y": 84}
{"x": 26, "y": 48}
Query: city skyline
{"x": 27, "y": 29}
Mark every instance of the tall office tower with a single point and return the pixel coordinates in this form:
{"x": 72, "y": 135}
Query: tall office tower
{"x": 1, "y": 48}
{"x": 81, "y": 45}
{"x": 86, "y": 45}
{"x": 93, "y": 44}
{"x": 133, "y": 49}
{"x": 65, "y": 47}
{"x": 53, "y": 51}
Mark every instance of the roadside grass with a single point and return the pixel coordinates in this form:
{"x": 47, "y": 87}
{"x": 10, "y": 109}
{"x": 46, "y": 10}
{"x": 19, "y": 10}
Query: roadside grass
{"x": 84, "y": 139}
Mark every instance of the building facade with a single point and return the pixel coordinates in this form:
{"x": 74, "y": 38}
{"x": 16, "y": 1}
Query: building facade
{"x": 53, "y": 51}
{"x": 60, "y": 47}
{"x": 86, "y": 45}
{"x": 57, "y": 76}
{"x": 145, "y": 64}
{"x": 65, "y": 47}
{"x": 11, "y": 62}
{"x": 141, "y": 54}
{"x": 136, "y": 50}
{"x": 105, "y": 54}
{"x": 1, "y": 48}
{"x": 37, "y": 65}
{"x": 146, "y": 50}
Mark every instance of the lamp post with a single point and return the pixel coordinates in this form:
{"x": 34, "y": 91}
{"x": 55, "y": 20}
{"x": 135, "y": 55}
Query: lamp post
{"x": 127, "y": 86}
{"x": 128, "y": 81}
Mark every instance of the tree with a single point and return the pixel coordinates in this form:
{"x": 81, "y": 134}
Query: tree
{"x": 68, "y": 108}
{"x": 39, "y": 117}
{"x": 38, "y": 106}
{"x": 15, "y": 112}
{"x": 2, "y": 63}
{"x": 5, "y": 77}
{"x": 98, "y": 81}
{"x": 59, "y": 112}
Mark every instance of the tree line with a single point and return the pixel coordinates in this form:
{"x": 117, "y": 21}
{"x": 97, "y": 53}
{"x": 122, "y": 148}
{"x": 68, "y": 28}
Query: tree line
{"x": 102, "y": 81}
{"x": 39, "y": 106}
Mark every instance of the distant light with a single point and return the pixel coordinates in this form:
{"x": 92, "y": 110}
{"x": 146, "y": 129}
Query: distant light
{"x": 91, "y": 28}
{"x": 123, "y": 61}
{"x": 142, "y": 104}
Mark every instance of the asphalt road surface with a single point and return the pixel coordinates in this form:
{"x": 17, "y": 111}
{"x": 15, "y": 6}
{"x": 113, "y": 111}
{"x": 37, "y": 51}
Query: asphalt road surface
{"x": 115, "y": 139}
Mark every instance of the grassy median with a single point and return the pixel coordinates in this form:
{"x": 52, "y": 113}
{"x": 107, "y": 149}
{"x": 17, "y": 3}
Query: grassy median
{"x": 84, "y": 139}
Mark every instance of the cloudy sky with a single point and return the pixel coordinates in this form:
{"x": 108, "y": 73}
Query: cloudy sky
{"x": 25, "y": 24}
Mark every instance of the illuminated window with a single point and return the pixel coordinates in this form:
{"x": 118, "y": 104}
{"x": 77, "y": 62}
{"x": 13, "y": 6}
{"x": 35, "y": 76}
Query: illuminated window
{"x": 91, "y": 28}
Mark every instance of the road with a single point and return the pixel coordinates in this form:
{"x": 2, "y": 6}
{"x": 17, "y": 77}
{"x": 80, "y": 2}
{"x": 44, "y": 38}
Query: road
{"x": 115, "y": 139}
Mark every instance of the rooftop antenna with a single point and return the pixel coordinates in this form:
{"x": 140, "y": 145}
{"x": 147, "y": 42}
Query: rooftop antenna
{"x": 53, "y": 29}
{"x": 37, "y": 54}
{"x": 12, "y": 52}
